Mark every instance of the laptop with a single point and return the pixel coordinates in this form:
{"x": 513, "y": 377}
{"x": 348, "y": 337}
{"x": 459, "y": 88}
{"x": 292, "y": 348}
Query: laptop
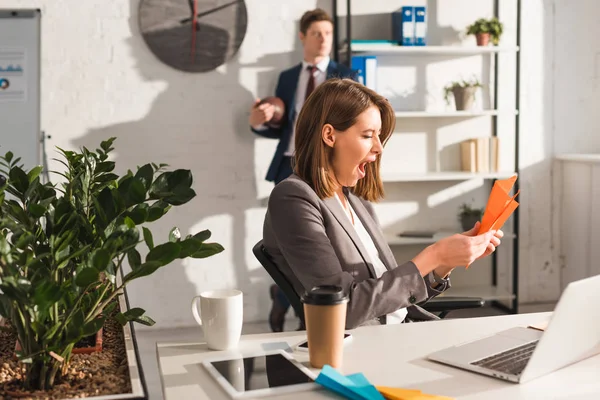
{"x": 522, "y": 354}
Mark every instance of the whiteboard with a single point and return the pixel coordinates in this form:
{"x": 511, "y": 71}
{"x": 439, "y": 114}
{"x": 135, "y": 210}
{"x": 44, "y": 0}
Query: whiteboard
{"x": 20, "y": 84}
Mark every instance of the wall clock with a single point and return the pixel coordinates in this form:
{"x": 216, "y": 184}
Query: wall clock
{"x": 193, "y": 35}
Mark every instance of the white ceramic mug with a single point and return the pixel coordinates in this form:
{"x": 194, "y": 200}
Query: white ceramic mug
{"x": 221, "y": 316}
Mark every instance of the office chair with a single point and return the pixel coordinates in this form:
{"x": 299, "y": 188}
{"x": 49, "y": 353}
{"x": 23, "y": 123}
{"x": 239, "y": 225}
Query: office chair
{"x": 443, "y": 305}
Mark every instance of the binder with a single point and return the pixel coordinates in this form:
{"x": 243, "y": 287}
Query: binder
{"x": 420, "y": 26}
{"x": 403, "y": 26}
{"x": 367, "y": 70}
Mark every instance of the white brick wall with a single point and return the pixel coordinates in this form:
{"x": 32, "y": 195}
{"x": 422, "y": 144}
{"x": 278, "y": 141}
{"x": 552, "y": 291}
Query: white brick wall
{"x": 100, "y": 80}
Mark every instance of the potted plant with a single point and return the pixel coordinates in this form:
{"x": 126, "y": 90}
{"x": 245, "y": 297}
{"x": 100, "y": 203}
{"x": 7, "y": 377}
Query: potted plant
{"x": 486, "y": 30}
{"x": 463, "y": 92}
{"x": 62, "y": 249}
{"x": 468, "y": 216}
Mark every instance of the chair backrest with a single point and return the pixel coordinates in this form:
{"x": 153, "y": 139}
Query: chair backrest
{"x": 280, "y": 279}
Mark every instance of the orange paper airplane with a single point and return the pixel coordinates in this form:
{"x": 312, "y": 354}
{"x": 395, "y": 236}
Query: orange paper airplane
{"x": 500, "y": 205}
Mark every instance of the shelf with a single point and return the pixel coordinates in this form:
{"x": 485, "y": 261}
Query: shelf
{"x": 443, "y": 176}
{"x": 395, "y": 240}
{"x": 452, "y": 114}
{"x": 487, "y": 293}
{"x": 433, "y": 50}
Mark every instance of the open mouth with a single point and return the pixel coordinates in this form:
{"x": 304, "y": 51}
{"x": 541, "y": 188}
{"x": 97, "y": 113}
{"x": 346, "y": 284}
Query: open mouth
{"x": 362, "y": 169}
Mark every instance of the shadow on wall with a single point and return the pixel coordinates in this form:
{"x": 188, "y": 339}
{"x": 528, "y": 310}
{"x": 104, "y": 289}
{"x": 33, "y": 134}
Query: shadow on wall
{"x": 198, "y": 122}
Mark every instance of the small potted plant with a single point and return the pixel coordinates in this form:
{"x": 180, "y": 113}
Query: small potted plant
{"x": 486, "y": 30}
{"x": 468, "y": 216}
{"x": 463, "y": 92}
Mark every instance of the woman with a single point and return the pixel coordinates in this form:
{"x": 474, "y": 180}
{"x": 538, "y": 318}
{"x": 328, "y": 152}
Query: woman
{"x": 320, "y": 227}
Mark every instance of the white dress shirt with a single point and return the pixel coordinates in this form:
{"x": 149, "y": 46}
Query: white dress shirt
{"x": 320, "y": 75}
{"x": 399, "y": 315}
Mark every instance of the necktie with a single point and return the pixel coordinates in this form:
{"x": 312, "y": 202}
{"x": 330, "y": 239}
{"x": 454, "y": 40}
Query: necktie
{"x": 310, "y": 86}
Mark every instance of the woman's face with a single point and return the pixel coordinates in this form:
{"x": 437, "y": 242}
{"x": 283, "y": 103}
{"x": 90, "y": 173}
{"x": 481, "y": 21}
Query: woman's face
{"x": 354, "y": 148}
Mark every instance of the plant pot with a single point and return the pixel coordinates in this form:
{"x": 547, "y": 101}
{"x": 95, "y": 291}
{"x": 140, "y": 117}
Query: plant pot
{"x": 86, "y": 345}
{"x": 464, "y": 97}
{"x": 469, "y": 221}
{"x": 483, "y": 39}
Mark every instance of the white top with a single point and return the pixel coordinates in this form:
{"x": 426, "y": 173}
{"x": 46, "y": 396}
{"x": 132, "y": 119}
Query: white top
{"x": 320, "y": 74}
{"x": 397, "y": 316}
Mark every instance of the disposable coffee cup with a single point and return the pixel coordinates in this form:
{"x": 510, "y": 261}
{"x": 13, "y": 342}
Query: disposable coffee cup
{"x": 325, "y": 317}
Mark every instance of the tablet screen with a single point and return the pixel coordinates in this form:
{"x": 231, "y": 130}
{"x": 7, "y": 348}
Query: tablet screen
{"x": 260, "y": 372}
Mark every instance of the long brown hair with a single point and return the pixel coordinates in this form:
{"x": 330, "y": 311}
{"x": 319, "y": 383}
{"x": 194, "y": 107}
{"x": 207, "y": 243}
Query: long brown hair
{"x": 337, "y": 102}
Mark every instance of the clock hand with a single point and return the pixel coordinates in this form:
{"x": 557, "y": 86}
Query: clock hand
{"x": 205, "y": 13}
{"x": 194, "y": 26}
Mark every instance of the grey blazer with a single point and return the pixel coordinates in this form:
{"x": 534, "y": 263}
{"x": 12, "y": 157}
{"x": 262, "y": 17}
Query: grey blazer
{"x": 313, "y": 243}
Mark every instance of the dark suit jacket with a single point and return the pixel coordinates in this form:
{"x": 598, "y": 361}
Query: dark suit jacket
{"x": 286, "y": 90}
{"x": 313, "y": 243}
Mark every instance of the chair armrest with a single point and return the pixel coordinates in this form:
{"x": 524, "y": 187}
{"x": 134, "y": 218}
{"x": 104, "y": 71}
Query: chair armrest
{"x": 449, "y": 303}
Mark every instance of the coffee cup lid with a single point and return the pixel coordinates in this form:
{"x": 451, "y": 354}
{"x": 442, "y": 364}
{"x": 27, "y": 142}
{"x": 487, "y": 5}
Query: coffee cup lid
{"x": 326, "y": 295}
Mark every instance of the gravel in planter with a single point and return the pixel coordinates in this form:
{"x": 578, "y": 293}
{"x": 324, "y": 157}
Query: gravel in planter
{"x": 89, "y": 375}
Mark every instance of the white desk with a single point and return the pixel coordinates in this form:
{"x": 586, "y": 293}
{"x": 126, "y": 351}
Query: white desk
{"x": 392, "y": 355}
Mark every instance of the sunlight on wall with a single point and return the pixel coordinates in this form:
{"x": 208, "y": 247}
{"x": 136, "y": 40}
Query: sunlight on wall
{"x": 460, "y": 189}
{"x": 215, "y": 272}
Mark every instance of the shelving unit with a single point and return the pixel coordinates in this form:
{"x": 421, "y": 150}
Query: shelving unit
{"x": 489, "y": 292}
{"x": 395, "y": 240}
{"x": 453, "y": 114}
{"x": 442, "y": 176}
{"x": 382, "y": 49}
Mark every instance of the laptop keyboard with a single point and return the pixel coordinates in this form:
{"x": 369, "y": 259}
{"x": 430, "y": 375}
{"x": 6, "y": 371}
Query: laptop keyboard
{"x": 512, "y": 361}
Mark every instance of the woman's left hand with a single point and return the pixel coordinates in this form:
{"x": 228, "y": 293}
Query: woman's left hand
{"x": 495, "y": 242}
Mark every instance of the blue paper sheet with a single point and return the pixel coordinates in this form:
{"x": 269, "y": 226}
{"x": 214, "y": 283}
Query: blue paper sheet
{"x": 354, "y": 387}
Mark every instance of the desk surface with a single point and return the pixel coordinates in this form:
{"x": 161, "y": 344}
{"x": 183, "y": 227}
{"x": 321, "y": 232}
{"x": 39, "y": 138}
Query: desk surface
{"x": 392, "y": 355}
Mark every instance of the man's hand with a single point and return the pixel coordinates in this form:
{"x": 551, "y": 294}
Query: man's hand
{"x": 259, "y": 114}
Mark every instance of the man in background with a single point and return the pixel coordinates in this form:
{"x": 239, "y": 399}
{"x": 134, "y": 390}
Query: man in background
{"x": 293, "y": 87}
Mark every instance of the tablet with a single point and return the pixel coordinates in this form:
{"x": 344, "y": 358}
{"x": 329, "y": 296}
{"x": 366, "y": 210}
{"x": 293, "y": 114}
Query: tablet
{"x": 260, "y": 374}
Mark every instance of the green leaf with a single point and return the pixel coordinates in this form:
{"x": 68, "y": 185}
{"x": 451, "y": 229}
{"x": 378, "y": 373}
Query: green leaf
{"x": 139, "y": 213}
{"x": 105, "y": 166}
{"x": 203, "y": 235}
{"x": 145, "y": 320}
{"x": 46, "y": 295}
{"x": 107, "y": 178}
{"x": 136, "y": 192}
{"x": 100, "y": 259}
{"x": 189, "y": 247}
{"x": 207, "y": 250}
{"x": 93, "y": 326}
{"x": 129, "y": 222}
{"x": 107, "y": 204}
{"x": 157, "y": 210}
{"x": 136, "y": 315}
{"x": 36, "y": 210}
{"x": 147, "y": 268}
{"x": 24, "y": 240}
{"x": 148, "y": 238}
{"x": 134, "y": 259}
{"x": 174, "y": 235}
{"x": 180, "y": 178}
{"x": 164, "y": 253}
{"x": 180, "y": 196}
{"x": 9, "y": 156}
{"x": 19, "y": 179}
{"x": 87, "y": 276}
{"x": 145, "y": 175}
{"x": 34, "y": 173}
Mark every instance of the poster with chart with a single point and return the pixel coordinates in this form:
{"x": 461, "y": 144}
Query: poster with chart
{"x": 13, "y": 77}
